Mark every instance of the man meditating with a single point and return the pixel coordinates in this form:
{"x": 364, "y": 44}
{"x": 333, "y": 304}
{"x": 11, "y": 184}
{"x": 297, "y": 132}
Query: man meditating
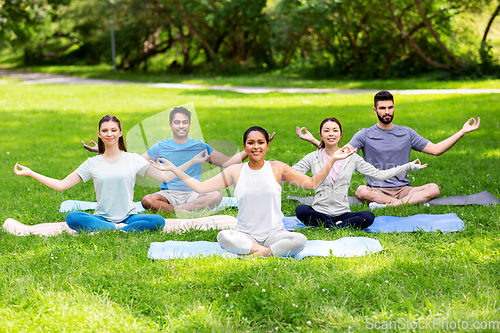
{"x": 386, "y": 145}
{"x": 180, "y": 149}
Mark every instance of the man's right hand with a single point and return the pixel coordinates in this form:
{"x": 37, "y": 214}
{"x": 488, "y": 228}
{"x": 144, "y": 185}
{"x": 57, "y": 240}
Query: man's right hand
{"x": 92, "y": 149}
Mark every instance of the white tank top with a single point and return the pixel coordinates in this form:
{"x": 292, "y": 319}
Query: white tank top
{"x": 259, "y": 202}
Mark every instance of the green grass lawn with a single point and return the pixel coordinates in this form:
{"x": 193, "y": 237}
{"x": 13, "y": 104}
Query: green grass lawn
{"x": 272, "y": 79}
{"x": 105, "y": 282}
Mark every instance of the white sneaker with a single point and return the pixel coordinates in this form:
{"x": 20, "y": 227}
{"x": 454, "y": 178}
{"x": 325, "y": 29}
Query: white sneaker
{"x": 375, "y": 205}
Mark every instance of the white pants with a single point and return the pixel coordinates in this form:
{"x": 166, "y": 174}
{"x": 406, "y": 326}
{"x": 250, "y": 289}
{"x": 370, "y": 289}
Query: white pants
{"x": 282, "y": 243}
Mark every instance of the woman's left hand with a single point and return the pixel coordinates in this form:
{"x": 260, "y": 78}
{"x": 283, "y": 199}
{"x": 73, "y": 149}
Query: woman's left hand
{"x": 344, "y": 152}
{"x": 165, "y": 166}
{"x": 422, "y": 166}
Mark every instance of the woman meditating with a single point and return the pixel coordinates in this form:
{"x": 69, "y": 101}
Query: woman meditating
{"x": 330, "y": 207}
{"x": 114, "y": 173}
{"x": 257, "y": 187}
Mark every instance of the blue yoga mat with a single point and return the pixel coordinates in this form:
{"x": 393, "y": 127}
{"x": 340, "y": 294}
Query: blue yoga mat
{"x": 343, "y": 247}
{"x": 421, "y": 222}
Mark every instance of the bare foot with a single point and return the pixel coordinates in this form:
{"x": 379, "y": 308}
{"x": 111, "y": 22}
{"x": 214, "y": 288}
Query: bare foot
{"x": 48, "y": 229}
{"x": 15, "y": 227}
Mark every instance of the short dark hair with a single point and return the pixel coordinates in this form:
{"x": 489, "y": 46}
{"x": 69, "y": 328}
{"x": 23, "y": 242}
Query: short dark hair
{"x": 383, "y": 95}
{"x": 100, "y": 143}
{"x": 258, "y": 129}
{"x": 335, "y": 120}
{"x": 180, "y": 109}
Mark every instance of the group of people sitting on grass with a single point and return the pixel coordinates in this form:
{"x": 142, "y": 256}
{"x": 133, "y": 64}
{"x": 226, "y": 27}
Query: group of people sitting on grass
{"x": 257, "y": 183}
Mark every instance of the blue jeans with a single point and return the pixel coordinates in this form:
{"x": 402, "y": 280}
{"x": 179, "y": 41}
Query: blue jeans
{"x": 81, "y": 221}
{"x": 356, "y": 220}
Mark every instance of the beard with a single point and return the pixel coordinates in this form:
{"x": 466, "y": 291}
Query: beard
{"x": 384, "y": 121}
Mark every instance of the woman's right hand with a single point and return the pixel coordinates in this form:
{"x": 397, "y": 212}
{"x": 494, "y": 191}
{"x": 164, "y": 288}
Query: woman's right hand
{"x": 92, "y": 149}
{"x": 25, "y": 171}
{"x": 165, "y": 166}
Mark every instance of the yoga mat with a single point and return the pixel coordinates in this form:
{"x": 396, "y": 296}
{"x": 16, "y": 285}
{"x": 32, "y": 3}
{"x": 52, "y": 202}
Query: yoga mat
{"x": 201, "y": 223}
{"x": 343, "y": 247}
{"x": 386, "y": 224}
{"x": 420, "y": 222}
{"x": 484, "y": 198}
{"x": 51, "y": 229}
{"x": 73, "y": 205}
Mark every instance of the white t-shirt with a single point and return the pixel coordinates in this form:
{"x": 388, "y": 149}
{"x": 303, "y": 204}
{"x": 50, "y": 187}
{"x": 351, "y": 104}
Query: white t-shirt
{"x": 114, "y": 184}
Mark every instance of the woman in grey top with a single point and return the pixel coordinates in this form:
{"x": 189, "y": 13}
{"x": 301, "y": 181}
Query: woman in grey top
{"x": 330, "y": 206}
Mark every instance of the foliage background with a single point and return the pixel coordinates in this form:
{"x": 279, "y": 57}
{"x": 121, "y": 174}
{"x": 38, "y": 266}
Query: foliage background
{"x": 317, "y": 38}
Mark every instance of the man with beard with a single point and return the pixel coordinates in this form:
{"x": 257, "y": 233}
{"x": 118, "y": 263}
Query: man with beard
{"x": 386, "y": 145}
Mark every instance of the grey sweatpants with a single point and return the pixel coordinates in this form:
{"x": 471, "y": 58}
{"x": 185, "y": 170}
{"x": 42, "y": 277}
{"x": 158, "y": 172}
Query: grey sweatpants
{"x": 282, "y": 243}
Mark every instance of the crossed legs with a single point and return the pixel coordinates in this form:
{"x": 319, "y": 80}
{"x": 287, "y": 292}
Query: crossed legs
{"x": 158, "y": 202}
{"x": 415, "y": 195}
{"x": 281, "y": 243}
{"x": 356, "y": 220}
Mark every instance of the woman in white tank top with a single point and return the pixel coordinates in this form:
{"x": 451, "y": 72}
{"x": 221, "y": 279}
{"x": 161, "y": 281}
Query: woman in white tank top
{"x": 257, "y": 183}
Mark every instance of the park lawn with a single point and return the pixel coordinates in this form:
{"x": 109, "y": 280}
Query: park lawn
{"x": 275, "y": 79}
{"x": 105, "y": 282}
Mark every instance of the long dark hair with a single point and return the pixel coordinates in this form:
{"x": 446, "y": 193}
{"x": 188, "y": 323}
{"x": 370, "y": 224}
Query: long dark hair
{"x": 257, "y": 129}
{"x": 121, "y": 142}
{"x": 335, "y": 120}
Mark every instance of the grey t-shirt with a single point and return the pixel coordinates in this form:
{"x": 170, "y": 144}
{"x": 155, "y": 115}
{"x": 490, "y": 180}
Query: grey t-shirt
{"x": 385, "y": 149}
{"x": 114, "y": 184}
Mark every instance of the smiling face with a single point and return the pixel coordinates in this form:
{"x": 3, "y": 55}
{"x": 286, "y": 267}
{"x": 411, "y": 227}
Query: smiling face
{"x": 384, "y": 111}
{"x": 110, "y": 133}
{"x": 256, "y": 146}
{"x": 330, "y": 133}
{"x": 180, "y": 126}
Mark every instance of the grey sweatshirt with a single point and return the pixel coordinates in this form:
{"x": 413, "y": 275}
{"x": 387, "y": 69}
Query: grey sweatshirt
{"x": 332, "y": 200}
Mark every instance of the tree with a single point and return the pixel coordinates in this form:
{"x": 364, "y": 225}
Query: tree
{"x": 482, "y": 50}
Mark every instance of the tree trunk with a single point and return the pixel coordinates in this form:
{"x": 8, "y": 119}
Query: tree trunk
{"x": 428, "y": 23}
{"x": 414, "y": 45}
{"x": 213, "y": 55}
{"x": 483, "y": 42}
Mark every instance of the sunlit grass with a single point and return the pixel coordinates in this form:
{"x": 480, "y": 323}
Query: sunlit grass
{"x": 105, "y": 282}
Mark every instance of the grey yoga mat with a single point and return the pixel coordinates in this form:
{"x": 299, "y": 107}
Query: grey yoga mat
{"x": 484, "y": 198}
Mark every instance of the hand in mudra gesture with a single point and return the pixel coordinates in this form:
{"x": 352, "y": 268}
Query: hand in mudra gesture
{"x": 200, "y": 157}
{"x": 162, "y": 164}
{"x": 422, "y": 166}
{"x": 25, "y": 171}
{"x": 91, "y": 146}
{"x": 344, "y": 152}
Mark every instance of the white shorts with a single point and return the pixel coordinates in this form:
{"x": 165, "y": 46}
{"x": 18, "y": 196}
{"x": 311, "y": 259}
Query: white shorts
{"x": 176, "y": 198}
